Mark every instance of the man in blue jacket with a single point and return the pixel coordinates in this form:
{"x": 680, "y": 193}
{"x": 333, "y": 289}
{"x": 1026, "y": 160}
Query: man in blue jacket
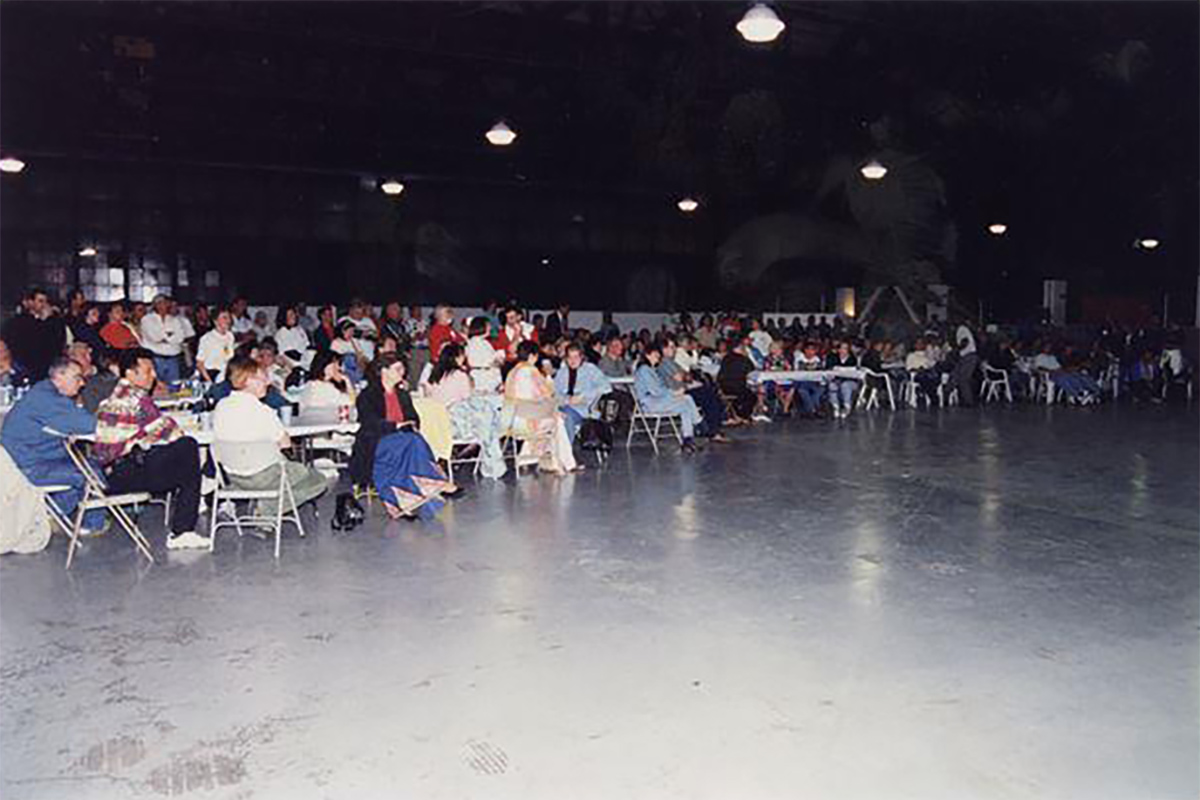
{"x": 42, "y": 458}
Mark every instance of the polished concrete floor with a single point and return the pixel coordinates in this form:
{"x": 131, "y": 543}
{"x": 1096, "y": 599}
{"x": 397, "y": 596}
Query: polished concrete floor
{"x": 961, "y": 604}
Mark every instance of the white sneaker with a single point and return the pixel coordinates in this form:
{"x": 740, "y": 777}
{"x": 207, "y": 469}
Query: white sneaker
{"x": 761, "y": 418}
{"x": 189, "y": 540}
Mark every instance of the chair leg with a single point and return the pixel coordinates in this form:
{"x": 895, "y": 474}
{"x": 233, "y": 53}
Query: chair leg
{"x": 212, "y": 520}
{"x": 75, "y": 527}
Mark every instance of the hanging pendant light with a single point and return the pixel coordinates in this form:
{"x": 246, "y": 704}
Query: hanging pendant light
{"x": 687, "y": 205}
{"x": 873, "y": 170}
{"x": 10, "y": 164}
{"x": 392, "y": 188}
{"x": 501, "y": 135}
{"x": 997, "y": 228}
{"x": 760, "y": 24}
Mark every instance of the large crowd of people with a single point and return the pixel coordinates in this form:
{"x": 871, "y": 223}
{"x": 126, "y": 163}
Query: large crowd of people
{"x": 418, "y": 382}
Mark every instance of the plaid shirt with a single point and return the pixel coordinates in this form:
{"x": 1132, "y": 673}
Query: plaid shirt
{"x": 129, "y": 418}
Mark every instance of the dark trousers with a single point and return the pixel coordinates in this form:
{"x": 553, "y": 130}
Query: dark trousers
{"x": 711, "y": 408}
{"x": 173, "y": 467}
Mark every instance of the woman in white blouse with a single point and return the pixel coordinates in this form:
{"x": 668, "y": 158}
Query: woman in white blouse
{"x": 536, "y": 414}
{"x": 291, "y": 338}
{"x": 327, "y": 386}
{"x": 483, "y": 360}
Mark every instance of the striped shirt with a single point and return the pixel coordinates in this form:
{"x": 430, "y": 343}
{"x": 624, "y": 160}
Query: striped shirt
{"x": 129, "y": 418}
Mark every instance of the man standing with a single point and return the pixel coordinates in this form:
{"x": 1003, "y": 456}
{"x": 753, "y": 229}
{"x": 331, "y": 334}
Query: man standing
{"x": 143, "y": 451}
{"x": 163, "y": 335}
{"x": 968, "y": 362}
{"x": 35, "y": 337}
{"x": 557, "y": 326}
{"x": 41, "y": 457}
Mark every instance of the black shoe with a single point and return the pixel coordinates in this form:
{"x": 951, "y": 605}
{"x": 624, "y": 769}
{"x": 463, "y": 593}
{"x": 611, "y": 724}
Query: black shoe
{"x": 344, "y": 518}
{"x": 688, "y": 447}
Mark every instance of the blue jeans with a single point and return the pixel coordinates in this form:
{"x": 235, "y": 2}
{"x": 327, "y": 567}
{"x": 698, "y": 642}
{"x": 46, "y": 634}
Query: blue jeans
{"x": 573, "y": 419}
{"x": 167, "y": 368}
{"x": 65, "y": 474}
{"x": 841, "y": 392}
{"x": 811, "y": 394}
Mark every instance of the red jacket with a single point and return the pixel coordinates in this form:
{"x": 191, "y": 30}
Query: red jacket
{"x": 439, "y": 336}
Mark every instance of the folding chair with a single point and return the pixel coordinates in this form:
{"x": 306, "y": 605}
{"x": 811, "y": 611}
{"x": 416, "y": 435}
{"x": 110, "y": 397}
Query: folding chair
{"x": 868, "y": 396}
{"x": 96, "y": 496}
{"x": 645, "y": 418}
{"x": 995, "y": 384}
{"x": 514, "y": 438}
{"x": 245, "y": 459}
{"x": 476, "y": 459}
{"x": 947, "y": 391}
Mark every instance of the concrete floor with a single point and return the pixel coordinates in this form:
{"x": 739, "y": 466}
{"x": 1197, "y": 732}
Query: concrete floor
{"x": 996, "y": 604}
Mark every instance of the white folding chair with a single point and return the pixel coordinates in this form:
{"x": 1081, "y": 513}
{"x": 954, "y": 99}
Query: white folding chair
{"x": 640, "y": 415}
{"x": 947, "y": 391}
{"x": 995, "y": 384}
{"x": 476, "y": 459}
{"x": 868, "y": 396}
{"x": 246, "y": 459}
{"x": 516, "y": 437}
{"x": 96, "y": 496}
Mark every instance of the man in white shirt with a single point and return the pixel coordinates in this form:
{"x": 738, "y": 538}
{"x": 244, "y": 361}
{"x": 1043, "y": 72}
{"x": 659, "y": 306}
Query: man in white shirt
{"x": 216, "y": 348}
{"x": 242, "y": 417}
{"x": 163, "y": 335}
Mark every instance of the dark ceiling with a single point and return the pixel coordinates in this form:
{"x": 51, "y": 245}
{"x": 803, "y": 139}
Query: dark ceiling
{"x": 1067, "y": 115}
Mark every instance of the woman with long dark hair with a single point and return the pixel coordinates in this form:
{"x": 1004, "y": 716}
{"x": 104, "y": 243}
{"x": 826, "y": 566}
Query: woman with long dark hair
{"x": 473, "y": 417}
{"x": 389, "y": 449}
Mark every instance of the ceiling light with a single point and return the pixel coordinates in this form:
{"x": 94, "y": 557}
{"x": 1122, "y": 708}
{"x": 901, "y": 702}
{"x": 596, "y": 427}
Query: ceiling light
{"x": 760, "y": 24}
{"x": 687, "y": 205}
{"x": 87, "y": 252}
{"x": 10, "y": 164}
{"x": 997, "y": 228}
{"x": 1147, "y": 244}
{"x": 545, "y": 262}
{"x": 501, "y": 135}
{"x": 392, "y": 187}
{"x": 873, "y": 170}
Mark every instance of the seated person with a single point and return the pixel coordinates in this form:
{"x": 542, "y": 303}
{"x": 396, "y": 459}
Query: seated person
{"x": 812, "y": 393}
{"x": 117, "y": 333}
{"x": 350, "y": 343}
{"x": 41, "y": 457}
{"x": 579, "y": 386}
{"x": 327, "y": 387}
{"x": 736, "y": 367}
{"x": 614, "y": 364}
{"x": 100, "y": 384}
{"x": 216, "y": 347}
{"x": 473, "y": 417}
{"x": 530, "y": 395}
{"x": 389, "y": 450}
{"x": 141, "y": 450}
{"x": 712, "y": 410}
{"x": 242, "y": 416}
{"x": 224, "y": 387}
{"x": 655, "y": 397}
{"x": 483, "y": 359}
{"x": 783, "y": 392}
{"x": 921, "y": 364}
{"x": 841, "y": 390}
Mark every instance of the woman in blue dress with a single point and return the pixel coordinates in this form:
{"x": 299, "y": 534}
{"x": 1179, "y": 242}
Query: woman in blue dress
{"x": 655, "y": 397}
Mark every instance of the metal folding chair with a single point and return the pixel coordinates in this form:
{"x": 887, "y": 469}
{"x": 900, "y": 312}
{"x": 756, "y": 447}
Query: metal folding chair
{"x": 96, "y": 496}
{"x": 245, "y": 458}
{"x": 645, "y": 418}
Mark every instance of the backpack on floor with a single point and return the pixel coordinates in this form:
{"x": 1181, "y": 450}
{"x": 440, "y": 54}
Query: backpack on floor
{"x": 595, "y": 434}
